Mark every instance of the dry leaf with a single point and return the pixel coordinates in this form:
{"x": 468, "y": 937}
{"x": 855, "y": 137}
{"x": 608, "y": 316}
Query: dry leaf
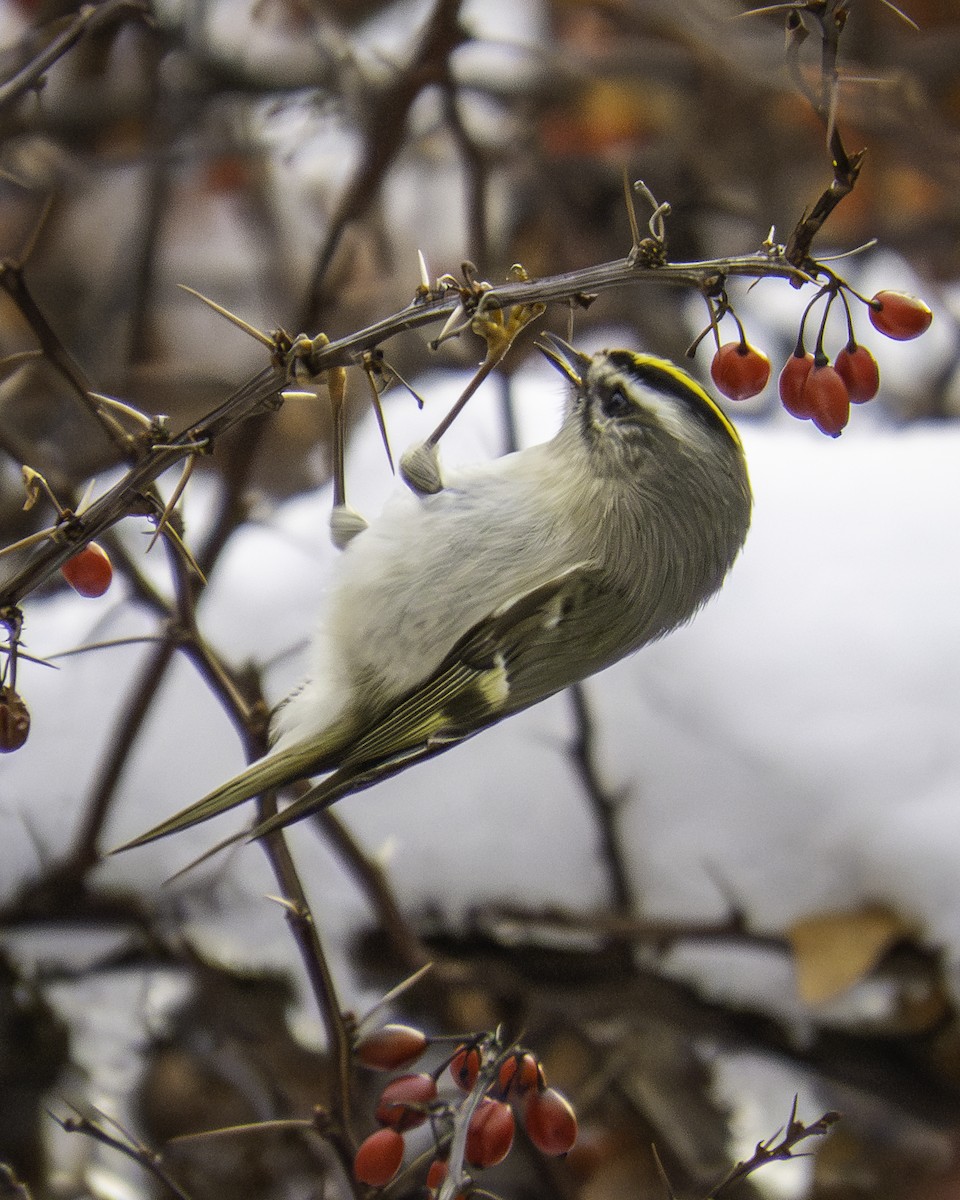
{"x": 832, "y": 951}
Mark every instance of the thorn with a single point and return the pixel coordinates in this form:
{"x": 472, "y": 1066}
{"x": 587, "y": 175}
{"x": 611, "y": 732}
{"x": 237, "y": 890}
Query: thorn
{"x": 385, "y": 1003}
{"x": 172, "y": 502}
{"x": 295, "y": 394}
{"x": 30, "y": 540}
{"x": 184, "y": 551}
{"x": 10, "y": 363}
{"x": 424, "y": 286}
{"x": 205, "y": 857}
{"x": 125, "y": 410}
{"x": 85, "y": 498}
{"x": 34, "y": 236}
{"x": 260, "y": 336}
{"x": 409, "y": 386}
{"x": 451, "y": 328}
{"x": 35, "y": 485}
{"x": 662, "y": 1173}
{"x": 378, "y": 411}
{"x": 901, "y": 14}
{"x": 849, "y": 253}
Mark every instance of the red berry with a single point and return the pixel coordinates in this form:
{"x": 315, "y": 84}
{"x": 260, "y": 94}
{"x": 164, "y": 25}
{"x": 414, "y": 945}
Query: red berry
{"x": 899, "y": 316}
{"x": 550, "y": 1122}
{"x": 14, "y": 720}
{"x": 520, "y": 1073}
{"x": 739, "y": 371}
{"x": 490, "y": 1133}
{"x": 792, "y": 378}
{"x": 403, "y": 1101}
{"x": 826, "y": 396}
{"x": 858, "y": 369}
{"x": 437, "y": 1173}
{"x": 378, "y": 1158}
{"x": 89, "y": 571}
{"x": 391, "y": 1047}
{"x": 465, "y": 1067}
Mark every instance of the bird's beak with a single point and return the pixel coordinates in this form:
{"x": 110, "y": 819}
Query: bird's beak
{"x": 562, "y": 355}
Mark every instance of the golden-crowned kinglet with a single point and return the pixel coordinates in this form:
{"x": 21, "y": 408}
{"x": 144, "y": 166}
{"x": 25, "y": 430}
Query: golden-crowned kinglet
{"x": 518, "y": 577}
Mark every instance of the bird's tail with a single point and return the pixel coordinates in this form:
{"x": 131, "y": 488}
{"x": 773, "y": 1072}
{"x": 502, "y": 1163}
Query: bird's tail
{"x": 272, "y": 771}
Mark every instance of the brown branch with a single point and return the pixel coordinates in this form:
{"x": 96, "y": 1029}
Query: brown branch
{"x": 603, "y": 803}
{"x": 127, "y": 1145}
{"x": 831, "y": 16}
{"x": 772, "y": 1150}
{"x": 12, "y": 281}
{"x": 307, "y": 939}
{"x": 12, "y": 1188}
{"x": 476, "y": 175}
{"x": 375, "y": 885}
{"x": 117, "y": 748}
{"x": 127, "y": 498}
{"x": 89, "y": 18}
{"x": 386, "y": 124}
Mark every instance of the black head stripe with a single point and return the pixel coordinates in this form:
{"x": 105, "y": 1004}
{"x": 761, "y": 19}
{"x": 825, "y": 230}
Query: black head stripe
{"x": 662, "y": 376}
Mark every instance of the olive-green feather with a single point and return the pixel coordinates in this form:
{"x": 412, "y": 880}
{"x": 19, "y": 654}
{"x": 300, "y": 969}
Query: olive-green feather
{"x": 479, "y": 682}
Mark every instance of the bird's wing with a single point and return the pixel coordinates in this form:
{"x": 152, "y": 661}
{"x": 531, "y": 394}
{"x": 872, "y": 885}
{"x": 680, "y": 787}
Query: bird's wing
{"x": 507, "y": 661}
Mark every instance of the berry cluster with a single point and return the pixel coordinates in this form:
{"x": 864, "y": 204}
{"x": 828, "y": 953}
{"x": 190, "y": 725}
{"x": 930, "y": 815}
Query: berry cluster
{"x": 811, "y": 388}
{"x": 493, "y": 1082}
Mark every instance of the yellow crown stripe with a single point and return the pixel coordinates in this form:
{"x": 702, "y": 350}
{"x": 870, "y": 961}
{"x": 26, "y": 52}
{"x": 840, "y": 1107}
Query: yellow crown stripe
{"x": 679, "y": 375}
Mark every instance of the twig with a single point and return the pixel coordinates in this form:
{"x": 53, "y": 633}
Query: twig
{"x": 603, "y": 803}
{"x": 386, "y": 123}
{"x": 126, "y": 1144}
{"x": 303, "y": 928}
{"x": 375, "y": 885}
{"x": 776, "y": 1151}
{"x": 90, "y": 17}
{"x": 12, "y": 281}
{"x": 831, "y": 16}
{"x": 126, "y": 497}
{"x": 12, "y": 1188}
{"x": 476, "y": 174}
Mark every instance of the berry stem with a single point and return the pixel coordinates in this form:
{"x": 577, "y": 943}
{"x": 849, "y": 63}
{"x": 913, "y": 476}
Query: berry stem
{"x": 851, "y": 336}
{"x": 743, "y": 336}
{"x": 819, "y": 356}
{"x": 801, "y": 347}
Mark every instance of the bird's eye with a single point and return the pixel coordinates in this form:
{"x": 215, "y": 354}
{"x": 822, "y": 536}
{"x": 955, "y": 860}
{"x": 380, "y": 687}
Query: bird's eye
{"x": 615, "y": 403}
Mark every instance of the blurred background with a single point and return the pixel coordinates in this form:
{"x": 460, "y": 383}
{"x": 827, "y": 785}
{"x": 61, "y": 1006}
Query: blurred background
{"x": 719, "y": 876}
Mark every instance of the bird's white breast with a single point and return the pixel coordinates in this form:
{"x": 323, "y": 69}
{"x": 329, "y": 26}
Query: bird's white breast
{"x": 428, "y": 569}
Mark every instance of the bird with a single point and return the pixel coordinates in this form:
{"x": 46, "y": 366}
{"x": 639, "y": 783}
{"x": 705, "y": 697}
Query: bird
{"x": 490, "y": 587}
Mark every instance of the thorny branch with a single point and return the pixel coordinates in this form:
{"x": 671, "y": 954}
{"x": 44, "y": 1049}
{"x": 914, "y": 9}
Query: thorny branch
{"x": 295, "y": 358}
{"x": 774, "y": 1150}
{"x": 830, "y": 16}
